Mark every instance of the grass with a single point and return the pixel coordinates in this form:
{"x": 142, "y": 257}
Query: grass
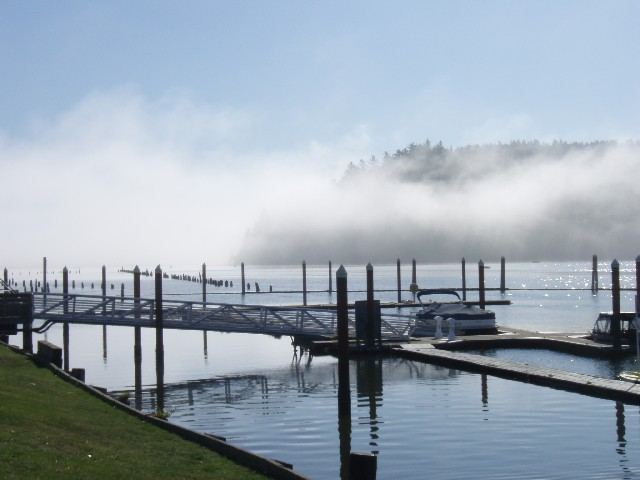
{"x": 50, "y": 429}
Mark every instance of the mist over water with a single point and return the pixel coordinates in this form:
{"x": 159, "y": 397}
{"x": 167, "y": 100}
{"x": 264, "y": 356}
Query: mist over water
{"x": 122, "y": 179}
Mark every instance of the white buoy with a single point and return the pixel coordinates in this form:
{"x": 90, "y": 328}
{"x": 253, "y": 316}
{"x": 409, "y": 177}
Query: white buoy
{"x": 452, "y": 328}
{"x": 438, "y": 335}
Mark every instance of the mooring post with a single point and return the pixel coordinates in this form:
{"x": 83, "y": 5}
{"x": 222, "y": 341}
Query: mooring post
{"x": 399, "y": 280}
{"x": 464, "y": 279}
{"x": 594, "y": 274}
{"x": 330, "y": 279}
{"x": 414, "y": 279}
{"x": 44, "y": 277}
{"x": 481, "y": 283}
{"x": 615, "y": 300}
{"x": 371, "y": 331}
{"x": 65, "y": 325}
{"x": 304, "y": 283}
{"x": 204, "y": 284}
{"x": 242, "y": 282}
{"x": 137, "y": 339}
{"x": 363, "y": 466}
{"x": 27, "y": 333}
{"x": 502, "y": 275}
{"x": 159, "y": 341}
{"x": 638, "y": 286}
{"x": 122, "y": 293}
{"x": 344, "y": 390}
{"x": 6, "y": 277}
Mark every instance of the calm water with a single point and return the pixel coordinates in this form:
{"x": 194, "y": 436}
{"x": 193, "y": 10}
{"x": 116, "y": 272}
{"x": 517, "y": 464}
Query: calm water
{"x": 421, "y": 420}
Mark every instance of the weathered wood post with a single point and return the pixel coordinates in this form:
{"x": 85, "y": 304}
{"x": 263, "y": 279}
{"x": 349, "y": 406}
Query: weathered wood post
{"x": 44, "y": 277}
{"x": 399, "y": 280}
{"x": 502, "y": 275}
{"x": 464, "y": 279}
{"x": 414, "y": 279}
{"x": 65, "y": 325}
{"x": 122, "y": 293}
{"x": 615, "y": 300}
{"x": 594, "y": 274}
{"x": 371, "y": 332}
{"x": 344, "y": 390}
{"x": 137, "y": 339}
{"x": 330, "y": 279}
{"x": 104, "y": 289}
{"x": 363, "y": 466}
{"x": 159, "y": 341}
{"x": 204, "y": 304}
{"x": 6, "y": 277}
{"x": 304, "y": 283}
{"x": 242, "y": 282}
{"x": 27, "y": 333}
{"x": 481, "y": 284}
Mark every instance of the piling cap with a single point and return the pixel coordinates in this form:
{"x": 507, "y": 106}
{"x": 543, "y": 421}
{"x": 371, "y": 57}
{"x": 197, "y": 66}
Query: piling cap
{"x": 615, "y": 264}
{"x": 65, "y": 269}
{"x": 638, "y": 258}
{"x": 158, "y": 270}
{"x": 463, "y": 259}
{"x": 341, "y": 272}
{"x": 369, "y": 267}
{"x": 136, "y": 269}
{"x": 204, "y": 264}
{"x": 481, "y": 263}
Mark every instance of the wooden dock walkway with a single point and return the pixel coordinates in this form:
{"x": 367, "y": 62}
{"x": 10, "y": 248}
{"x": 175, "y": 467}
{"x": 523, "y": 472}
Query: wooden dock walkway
{"x": 549, "y": 377}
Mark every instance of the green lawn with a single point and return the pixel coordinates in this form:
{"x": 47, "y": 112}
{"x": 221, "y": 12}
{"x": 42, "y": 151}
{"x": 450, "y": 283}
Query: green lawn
{"x": 51, "y": 429}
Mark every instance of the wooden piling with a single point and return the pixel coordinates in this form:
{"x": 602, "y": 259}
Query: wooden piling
{"x": 638, "y": 285}
{"x": 399, "y": 280}
{"x": 371, "y": 332}
{"x": 104, "y": 289}
{"x": 304, "y": 283}
{"x": 330, "y": 279}
{"x": 159, "y": 340}
{"x": 27, "y": 333}
{"x": 363, "y": 466}
{"x": 242, "y": 282}
{"x": 65, "y": 325}
{"x": 594, "y": 274}
{"x": 481, "y": 284}
{"x": 6, "y": 277}
{"x": 44, "y": 276}
{"x": 464, "y": 279}
{"x": 137, "y": 340}
{"x": 502, "y": 275}
{"x": 344, "y": 389}
{"x": 615, "y": 300}
{"x": 204, "y": 283}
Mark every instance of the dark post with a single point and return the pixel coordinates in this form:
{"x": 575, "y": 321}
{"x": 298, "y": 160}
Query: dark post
{"x": 594, "y": 274}
{"x": 204, "y": 284}
{"x": 481, "y": 283}
{"x": 344, "y": 390}
{"x": 363, "y": 466}
{"x": 371, "y": 335}
{"x": 330, "y": 279}
{"x": 44, "y": 276}
{"x": 27, "y": 335}
{"x": 159, "y": 341}
{"x": 464, "y": 279}
{"x": 414, "y": 279}
{"x": 6, "y": 276}
{"x": 304, "y": 283}
{"x": 122, "y": 293}
{"x": 399, "y": 280}
{"x": 502, "y": 275}
{"x": 104, "y": 289}
{"x": 615, "y": 300}
{"x": 65, "y": 325}
{"x": 242, "y": 282}
{"x": 137, "y": 339}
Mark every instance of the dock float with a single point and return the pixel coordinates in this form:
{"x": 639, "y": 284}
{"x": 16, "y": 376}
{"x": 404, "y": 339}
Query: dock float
{"x": 573, "y": 382}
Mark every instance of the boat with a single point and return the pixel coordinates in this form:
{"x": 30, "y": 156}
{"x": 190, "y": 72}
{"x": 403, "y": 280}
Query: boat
{"x": 630, "y": 376}
{"x": 469, "y": 319}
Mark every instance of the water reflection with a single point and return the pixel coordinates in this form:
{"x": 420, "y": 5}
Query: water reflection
{"x": 369, "y": 391}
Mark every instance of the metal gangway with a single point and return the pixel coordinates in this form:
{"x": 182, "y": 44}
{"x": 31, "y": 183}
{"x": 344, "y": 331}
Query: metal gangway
{"x": 51, "y": 308}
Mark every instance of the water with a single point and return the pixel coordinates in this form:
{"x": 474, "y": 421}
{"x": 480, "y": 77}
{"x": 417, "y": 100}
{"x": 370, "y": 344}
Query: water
{"x": 421, "y": 420}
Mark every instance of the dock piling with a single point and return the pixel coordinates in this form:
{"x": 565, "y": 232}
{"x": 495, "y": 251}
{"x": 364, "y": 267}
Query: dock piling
{"x": 414, "y": 279}
{"x": 159, "y": 340}
{"x": 137, "y": 340}
{"x": 104, "y": 288}
{"x": 44, "y": 277}
{"x": 615, "y": 300}
{"x": 242, "y": 282}
{"x": 344, "y": 390}
{"x": 594, "y": 274}
{"x": 502, "y": 275}
{"x": 122, "y": 293}
{"x": 330, "y": 279}
{"x": 304, "y": 283}
{"x": 65, "y": 325}
{"x": 204, "y": 284}
{"x": 6, "y": 277}
{"x": 481, "y": 284}
{"x": 399, "y": 280}
{"x": 638, "y": 286}
{"x": 371, "y": 322}
{"x": 464, "y": 279}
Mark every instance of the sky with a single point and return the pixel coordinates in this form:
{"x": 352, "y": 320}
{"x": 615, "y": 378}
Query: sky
{"x": 168, "y": 131}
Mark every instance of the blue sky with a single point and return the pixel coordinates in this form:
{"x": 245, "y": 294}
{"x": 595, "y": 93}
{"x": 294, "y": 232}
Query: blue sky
{"x": 404, "y": 71}
{"x": 230, "y": 116}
